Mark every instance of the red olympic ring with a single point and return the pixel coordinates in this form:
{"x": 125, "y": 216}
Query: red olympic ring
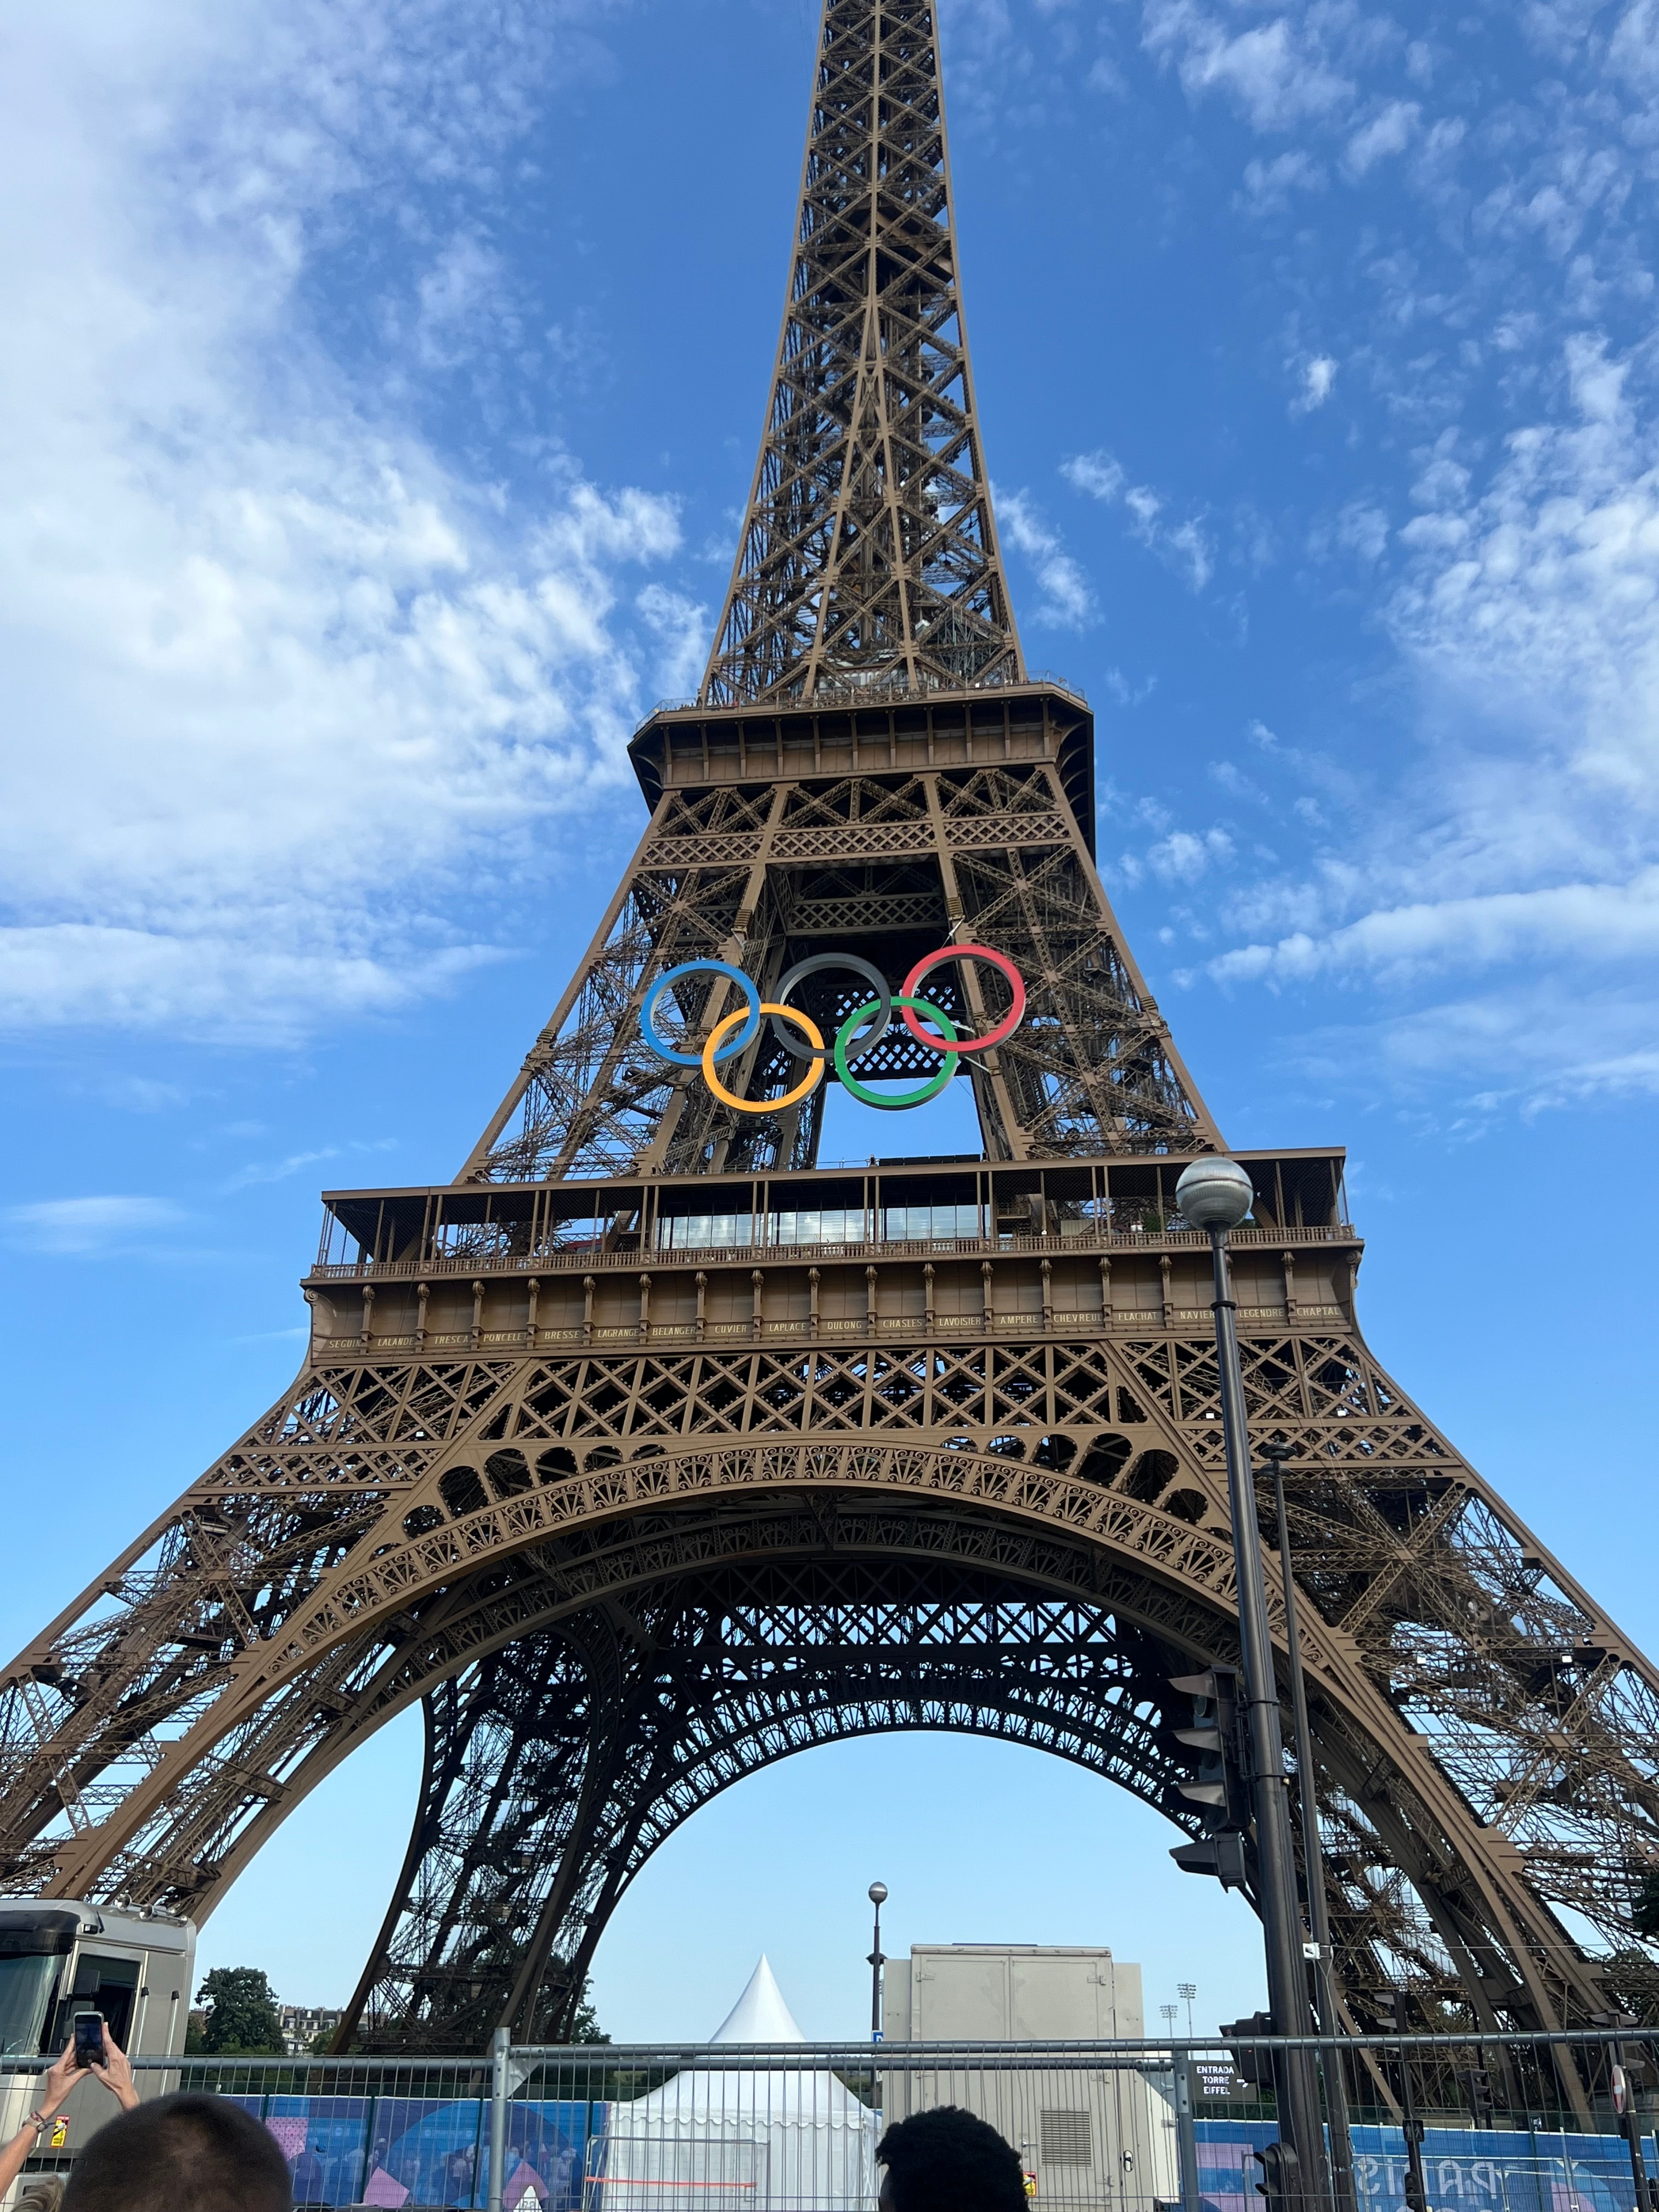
{"x": 911, "y": 988}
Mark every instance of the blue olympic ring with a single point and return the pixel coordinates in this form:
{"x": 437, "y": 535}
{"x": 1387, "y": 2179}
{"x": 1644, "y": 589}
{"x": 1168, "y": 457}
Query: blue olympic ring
{"x": 745, "y": 1036}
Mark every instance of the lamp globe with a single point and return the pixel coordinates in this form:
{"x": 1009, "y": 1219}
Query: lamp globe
{"x": 1214, "y": 1194}
{"x": 877, "y": 1893}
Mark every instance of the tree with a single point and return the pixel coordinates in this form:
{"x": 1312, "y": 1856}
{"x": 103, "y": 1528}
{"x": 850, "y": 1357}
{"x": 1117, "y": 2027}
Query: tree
{"x": 586, "y": 2027}
{"x": 242, "y": 2015}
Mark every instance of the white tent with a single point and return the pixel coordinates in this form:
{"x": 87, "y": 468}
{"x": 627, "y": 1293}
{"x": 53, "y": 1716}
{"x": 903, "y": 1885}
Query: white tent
{"x": 764, "y": 2139}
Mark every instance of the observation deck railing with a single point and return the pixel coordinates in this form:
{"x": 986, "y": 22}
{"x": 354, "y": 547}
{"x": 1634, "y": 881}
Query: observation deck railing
{"x": 580, "y": 1254}
{"x": 882, "y": 691}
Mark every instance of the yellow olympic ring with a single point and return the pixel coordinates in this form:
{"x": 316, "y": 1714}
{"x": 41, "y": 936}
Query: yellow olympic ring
{"x": 717, "y": 1035}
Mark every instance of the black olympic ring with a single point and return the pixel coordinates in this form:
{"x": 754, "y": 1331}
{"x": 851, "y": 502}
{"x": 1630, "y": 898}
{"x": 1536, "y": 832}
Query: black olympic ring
{"x": 870, "y": 975}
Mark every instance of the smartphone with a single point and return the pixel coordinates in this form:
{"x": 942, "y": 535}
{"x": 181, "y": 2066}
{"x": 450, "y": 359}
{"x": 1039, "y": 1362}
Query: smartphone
{"x": 89, "y": 2037}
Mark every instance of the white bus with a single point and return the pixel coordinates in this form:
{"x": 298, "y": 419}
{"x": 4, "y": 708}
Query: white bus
{"x": 58, "y": 1959}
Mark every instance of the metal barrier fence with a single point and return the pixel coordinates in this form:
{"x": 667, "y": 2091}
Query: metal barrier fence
{"x": 1108, "y": 2127}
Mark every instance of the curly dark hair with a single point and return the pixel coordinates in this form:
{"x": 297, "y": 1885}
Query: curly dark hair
{"x": 949, "y": 2160}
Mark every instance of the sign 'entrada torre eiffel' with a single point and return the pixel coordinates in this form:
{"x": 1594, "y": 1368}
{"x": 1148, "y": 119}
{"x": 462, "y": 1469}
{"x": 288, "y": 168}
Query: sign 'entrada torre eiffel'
{"x": 649, "y": 1449}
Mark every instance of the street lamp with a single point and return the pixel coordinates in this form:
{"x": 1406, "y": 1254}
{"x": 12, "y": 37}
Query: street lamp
{"x": 877, "y": 1960}
{"x": 1186, "y": 1991}
{"x": 1216, "y": 1195}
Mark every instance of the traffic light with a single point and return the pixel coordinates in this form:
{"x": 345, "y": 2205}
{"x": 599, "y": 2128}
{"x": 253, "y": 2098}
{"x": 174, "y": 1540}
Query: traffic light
{"x": 1252, "y": 2065}
{"x": 1279, "y": 2174}
{"x": 1221, "y": 1789}
{"x": 1477, "y": 2087}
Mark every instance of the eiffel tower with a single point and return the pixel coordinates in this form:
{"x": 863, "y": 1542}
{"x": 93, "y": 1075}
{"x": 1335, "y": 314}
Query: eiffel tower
{"x": 648, "y": 1450}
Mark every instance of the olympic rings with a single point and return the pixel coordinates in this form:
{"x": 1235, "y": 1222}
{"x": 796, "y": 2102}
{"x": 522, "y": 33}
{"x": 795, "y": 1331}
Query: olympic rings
{"x": 862, "y": 968}
{"x": 1006, "y": 1028}
{"x": 803, "y": 1089}
{"x": 923, "y": 1092}
{"x": 751, "y": 999}
{"x": 848, "y": 1047}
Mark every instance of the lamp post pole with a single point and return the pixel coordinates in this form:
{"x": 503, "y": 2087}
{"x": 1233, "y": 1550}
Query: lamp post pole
{"x": 877, "y": 1960}
{"x": 1313, "y": 1856}
{"x": 1393, "y": 2010}
{"x": 1623, "y": 2105}
{"x": 1216, "y": 1195}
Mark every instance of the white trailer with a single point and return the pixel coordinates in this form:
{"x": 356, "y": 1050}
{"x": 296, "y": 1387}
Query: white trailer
{"x": 1091, "y": 2137}
{"x": 58, "y": 1958}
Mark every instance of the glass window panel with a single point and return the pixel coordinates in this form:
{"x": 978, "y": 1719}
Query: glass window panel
{"x": 683, "y": 1232}
{"x": 819, "y": 1226}
{"x": 905, "y": 1223}
{"x": 25, "y": 1985}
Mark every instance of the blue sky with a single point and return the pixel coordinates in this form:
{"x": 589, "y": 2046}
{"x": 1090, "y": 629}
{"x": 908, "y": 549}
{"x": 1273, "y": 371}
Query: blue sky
{"x": 383, "y": 389}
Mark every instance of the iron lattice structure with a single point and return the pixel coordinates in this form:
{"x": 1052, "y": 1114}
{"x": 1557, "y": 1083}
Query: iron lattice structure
{"x": 648, "y": 1450}
{"x": 868, "y": 559}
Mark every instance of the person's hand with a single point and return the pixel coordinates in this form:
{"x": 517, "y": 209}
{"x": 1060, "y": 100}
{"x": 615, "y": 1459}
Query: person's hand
{"x": 116, "y": 2073}
{"x": 60, "y": 2079}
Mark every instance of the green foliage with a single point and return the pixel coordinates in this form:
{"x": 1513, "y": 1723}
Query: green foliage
{"x": 1645, "y": 1917}
{"x": 586, "y": 2028}
{"x": 242, "y": 2015}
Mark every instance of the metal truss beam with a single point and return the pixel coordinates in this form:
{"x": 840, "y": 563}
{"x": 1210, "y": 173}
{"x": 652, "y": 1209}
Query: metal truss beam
{"x": 188, "y": 1742}
{"x": 868, "y": 560}
{"x": 763, "y": 877}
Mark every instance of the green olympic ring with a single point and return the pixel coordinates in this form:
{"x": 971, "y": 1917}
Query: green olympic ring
{"x": 926, "y": 1090}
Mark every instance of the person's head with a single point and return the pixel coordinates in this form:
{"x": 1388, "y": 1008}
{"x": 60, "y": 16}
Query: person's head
{"x": 946, "y": 2160}
{"x": 184, "y": 2154}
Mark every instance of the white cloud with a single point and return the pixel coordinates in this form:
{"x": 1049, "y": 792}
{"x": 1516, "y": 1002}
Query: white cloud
{"x": 1318, "y": 382}
{"x": 1476, "y": 802}
{"x": 1541, "y": 589}
{"x": 1538, "y": 1044}
{"x": 1268, "y": 185}
{"x": 66, "y": 1226}
{"x": 1183, "y": 858}
{"x": 1183, "y": 546}
{"x": 261, "y": 1171}
{"x": 1526, "y": 849}
{"x": 1276, "y": 72}
{"x": 1361, "y": 529}
{"x": 1389, "y": 131}
{"x": 461, "y": 304}
{"x": 195, "y": 971}
{"x": 681, "y": 627}
{"x": 1236, "y": 783}
{"x": 1097, "y": 474}
{"x": 1598, "y": 921}
{"x": 275, "y": 669}
{"x": 1068, "y": 600}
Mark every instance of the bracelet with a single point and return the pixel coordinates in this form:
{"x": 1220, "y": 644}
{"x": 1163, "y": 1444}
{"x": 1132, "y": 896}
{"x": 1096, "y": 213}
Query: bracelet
{"x": 38, "y": 2121}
